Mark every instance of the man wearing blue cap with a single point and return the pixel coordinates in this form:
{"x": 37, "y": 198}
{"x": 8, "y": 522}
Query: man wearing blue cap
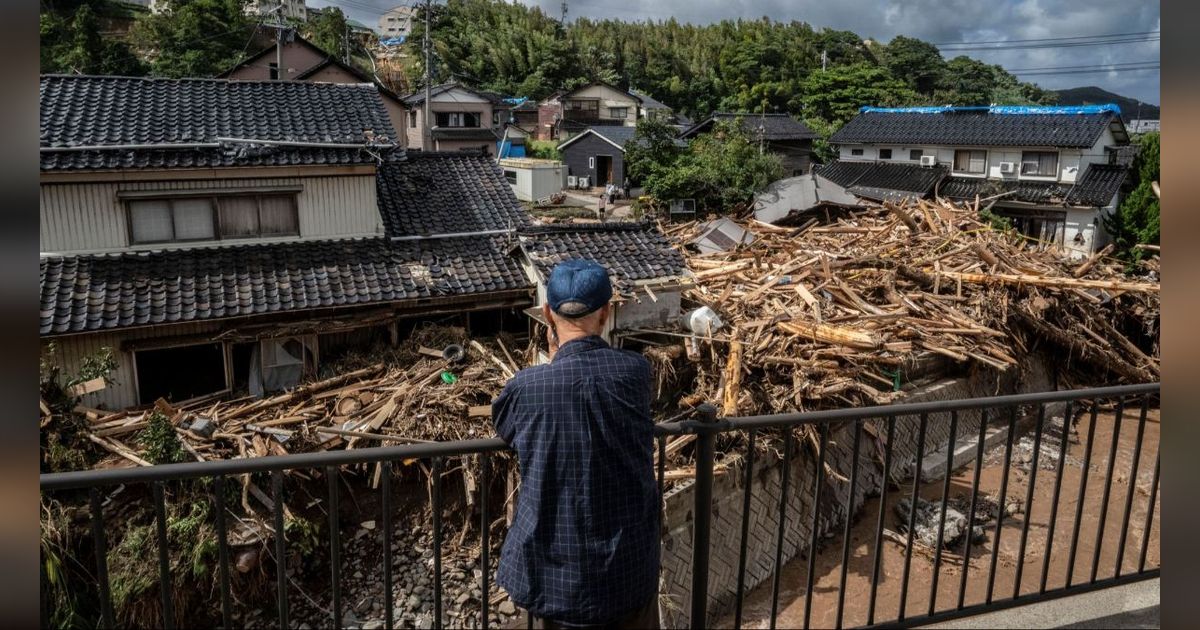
{"x": 583, "y": 549}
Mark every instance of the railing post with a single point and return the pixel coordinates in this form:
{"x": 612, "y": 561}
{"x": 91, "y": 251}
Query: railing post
{"x": 706, "y": 418}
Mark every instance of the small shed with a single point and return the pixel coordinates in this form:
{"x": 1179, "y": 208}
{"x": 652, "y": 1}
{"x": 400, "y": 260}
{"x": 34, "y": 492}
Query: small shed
{"x": 598, "y": 154}
{"x": 532, "y": 179}
{"x": 648, "y": 274}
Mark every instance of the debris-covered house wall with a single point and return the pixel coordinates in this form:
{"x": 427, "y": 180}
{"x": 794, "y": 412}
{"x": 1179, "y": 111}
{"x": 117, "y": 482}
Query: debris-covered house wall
{"x": 1050, "y": 170}
{"x": 220, "y": 262}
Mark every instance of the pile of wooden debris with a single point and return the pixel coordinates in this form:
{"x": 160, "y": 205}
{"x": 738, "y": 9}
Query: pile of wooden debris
{"x": 834, "y": 310}
{"x": 415, "y": 393}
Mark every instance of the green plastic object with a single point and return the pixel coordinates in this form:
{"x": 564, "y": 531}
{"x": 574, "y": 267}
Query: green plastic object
{"x": 449, "y": 378}
{"x": 895, "y": 379}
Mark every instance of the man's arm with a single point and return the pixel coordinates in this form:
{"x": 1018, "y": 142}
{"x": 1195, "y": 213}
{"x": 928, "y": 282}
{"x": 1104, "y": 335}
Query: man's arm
{"x": 502, "y": 412}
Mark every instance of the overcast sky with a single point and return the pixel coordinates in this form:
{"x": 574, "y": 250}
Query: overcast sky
{"x": 934, "y": 21}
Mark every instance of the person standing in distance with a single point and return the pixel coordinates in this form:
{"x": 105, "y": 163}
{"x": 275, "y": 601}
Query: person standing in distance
{"x": 583, "y": 548}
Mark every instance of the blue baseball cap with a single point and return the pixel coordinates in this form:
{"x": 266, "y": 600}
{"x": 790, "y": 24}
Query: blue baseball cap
{"x": 577, "y": 287}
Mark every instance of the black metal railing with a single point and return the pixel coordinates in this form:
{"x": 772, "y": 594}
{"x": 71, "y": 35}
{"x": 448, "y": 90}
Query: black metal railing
{"x": 705, "y": 424}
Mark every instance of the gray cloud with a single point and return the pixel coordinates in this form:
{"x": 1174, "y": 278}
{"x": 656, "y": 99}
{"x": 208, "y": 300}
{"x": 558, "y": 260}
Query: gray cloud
{"x": 930, "y": 20}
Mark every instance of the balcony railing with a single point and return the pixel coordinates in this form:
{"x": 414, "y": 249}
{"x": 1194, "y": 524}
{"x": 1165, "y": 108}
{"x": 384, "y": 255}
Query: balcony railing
{"x": 948, "y": 418}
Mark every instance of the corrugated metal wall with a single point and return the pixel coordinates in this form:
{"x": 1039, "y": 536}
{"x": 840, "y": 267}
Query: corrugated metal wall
{"x": 122, "y": 392}
{"x": 89, "y": 217}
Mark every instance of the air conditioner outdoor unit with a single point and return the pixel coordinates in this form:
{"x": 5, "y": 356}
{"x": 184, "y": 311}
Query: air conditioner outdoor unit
{"x": 1008, "y": 168}
{"x": 570, "y": 181}
{"x": 583, "y": 182}
{"x": 928, "y": 160}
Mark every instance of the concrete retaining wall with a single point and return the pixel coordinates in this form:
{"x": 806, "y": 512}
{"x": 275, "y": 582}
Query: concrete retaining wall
{"x": 728, "y": 491}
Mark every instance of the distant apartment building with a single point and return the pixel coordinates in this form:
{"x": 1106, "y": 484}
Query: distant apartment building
{"x": 397, "y": 22}
{"x": 292, "y": 9}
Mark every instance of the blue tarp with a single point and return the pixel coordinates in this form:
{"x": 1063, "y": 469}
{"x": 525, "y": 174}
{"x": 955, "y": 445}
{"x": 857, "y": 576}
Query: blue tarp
{"x": 392, "y": 41}
{"x": 1000, "y": 109}
{"x": 507, "y": 149}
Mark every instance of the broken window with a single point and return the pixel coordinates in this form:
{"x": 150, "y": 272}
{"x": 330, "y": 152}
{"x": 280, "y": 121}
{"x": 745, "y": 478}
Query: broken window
{"x": 511, "y": 176}
{"x": 283, "y": 363}
{"x": 179, "y": 373}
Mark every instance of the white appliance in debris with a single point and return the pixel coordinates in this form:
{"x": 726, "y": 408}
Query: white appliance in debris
{"x": 1008, "y": 168}
{"x": 928, "y": 160}
{"x": 583, "y": 182}
{"x": 570, "y": 181}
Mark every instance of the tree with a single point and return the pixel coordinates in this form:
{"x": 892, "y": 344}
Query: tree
{"x": 329, "y": 31}
{"x": 966, "y": 81}
{"x": 836, "y": 94}
{"x": 1137, "y": 219}
{"x": 918, "y": 63}
{"x": 721, "y": 170}
{"x": 71, "y": 42}
{"x": 653, "y": 148}
{"x": 194, "y": 38}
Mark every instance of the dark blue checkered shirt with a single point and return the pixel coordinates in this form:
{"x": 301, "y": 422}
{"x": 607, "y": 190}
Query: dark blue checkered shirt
{"x": 584, "y": 544}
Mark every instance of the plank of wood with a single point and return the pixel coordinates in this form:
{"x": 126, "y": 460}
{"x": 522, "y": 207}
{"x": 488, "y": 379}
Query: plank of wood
{"x": 733, "y": 375}
{"x": 1051, "y": 282}
{"x": 123, "y": 452}
{"x": 87, "y": 387}
{"x": 832, "y": 334}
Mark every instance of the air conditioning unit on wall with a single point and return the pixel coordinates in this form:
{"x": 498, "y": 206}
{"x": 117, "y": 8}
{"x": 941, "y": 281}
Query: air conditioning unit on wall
{"x": 1008, "y": 168}
{"x": 928, "y": 160}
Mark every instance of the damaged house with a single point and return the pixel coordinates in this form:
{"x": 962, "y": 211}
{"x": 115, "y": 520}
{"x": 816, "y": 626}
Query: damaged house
{"x": 1055, "y": 172}
{"x": 648, "y": 274}
{"x": 220, "y": 235}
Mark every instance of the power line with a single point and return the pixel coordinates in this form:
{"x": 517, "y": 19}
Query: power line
{"x": 1129, "y": 40}
{"x": 1086, "y": 67}
{"x": 1073, "y": 72}
{"x": 1044, "y": 39}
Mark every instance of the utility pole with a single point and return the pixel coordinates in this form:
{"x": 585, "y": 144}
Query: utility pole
{"x": 563, "y": 21}
{"x": 428, "y": 128}
{"x": 824, "y": 58}
{"x": 280, "y": 27}
{"x": 346, "y": 53}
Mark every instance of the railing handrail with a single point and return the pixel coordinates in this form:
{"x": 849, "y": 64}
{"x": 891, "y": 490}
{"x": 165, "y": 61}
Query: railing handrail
{"x": 191, "y": 470}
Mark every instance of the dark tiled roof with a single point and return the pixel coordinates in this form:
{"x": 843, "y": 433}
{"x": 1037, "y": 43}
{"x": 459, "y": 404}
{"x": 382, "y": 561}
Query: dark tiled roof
{"x": 882, "y": 180}
{"x": 1021, "y": 190}
{"x": 1095, "y": 187}
{"x": 104, "y": 292}
{"x": 446, "y": 193}
{"x": 418, "y": 97}
{"x": 102, "y": 111}
{"x": 649, "y": 102}
{"x": 774, "y": 126}
{"x": 630, "y": 251}
{"x": 619, "y": 135}
{"x": 974, "y": 128}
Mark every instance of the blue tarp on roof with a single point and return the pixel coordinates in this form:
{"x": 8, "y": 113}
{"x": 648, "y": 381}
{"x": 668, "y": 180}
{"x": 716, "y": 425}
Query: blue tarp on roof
{"x": 999, "y": 109}
{"x": 392, "y": 41}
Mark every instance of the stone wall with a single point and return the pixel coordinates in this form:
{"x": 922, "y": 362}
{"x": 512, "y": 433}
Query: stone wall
{"x": 728, "y": 491}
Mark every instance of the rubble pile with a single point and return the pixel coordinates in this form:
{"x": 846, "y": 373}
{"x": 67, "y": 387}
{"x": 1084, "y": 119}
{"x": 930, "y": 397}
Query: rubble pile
{"x": 832, "y": 310}
{"x": 415, "y": 393}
